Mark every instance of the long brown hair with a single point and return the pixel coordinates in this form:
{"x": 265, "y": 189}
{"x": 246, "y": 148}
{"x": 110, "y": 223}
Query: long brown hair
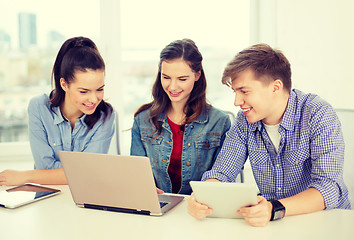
{"x": 77, "y": 54}
{"x": 186, "y": 50}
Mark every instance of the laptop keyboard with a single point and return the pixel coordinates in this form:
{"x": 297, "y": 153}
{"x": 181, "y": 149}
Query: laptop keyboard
{"x": 162, "y": 204}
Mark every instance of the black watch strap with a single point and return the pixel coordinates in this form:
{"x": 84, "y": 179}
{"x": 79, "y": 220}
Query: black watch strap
{"x": 278, "y": 211}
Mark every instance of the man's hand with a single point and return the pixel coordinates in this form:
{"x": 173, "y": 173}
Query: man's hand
{"x": 257, "y": 215}
{"x": 196, "y": 209}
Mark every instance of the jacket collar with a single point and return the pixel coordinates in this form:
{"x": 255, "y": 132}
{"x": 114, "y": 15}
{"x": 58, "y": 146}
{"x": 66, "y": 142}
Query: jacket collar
{"x": 202, "y": 119}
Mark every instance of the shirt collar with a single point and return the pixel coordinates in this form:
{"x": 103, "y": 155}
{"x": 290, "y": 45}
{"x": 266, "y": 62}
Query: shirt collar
{"x": 59, "y": 118}
{"x": 288, "y": 119}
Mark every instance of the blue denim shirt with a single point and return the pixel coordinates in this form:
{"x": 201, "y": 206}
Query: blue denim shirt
{"x": 202, "y": 141}
{"x": 49, "y": 133}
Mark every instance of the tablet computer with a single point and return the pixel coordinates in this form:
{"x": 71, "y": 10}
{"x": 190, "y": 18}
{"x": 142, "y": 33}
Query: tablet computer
{"x": 225, "y": 198}
{"x": 25, "y": 194}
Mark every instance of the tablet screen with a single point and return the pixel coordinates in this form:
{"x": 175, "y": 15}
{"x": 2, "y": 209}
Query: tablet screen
{"x": 24, "y": 194}
{"x": 225, "y": 198}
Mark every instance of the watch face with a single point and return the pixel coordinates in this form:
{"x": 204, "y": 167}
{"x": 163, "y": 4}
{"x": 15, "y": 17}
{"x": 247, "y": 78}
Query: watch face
{"x": 279, "y": 214}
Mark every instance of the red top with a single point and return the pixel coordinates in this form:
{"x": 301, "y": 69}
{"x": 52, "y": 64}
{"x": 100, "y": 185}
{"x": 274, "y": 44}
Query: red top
{"x": 174, "y": 169}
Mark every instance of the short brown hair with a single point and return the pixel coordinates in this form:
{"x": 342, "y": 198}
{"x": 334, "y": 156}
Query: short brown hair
{"x": 264, "y": 61}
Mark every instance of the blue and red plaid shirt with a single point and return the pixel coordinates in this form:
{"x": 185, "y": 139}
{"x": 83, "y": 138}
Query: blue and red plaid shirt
{"x": 310, "y": 154}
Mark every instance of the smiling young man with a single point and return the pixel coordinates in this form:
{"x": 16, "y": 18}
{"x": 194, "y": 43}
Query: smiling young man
{"x": 293, "y": 141}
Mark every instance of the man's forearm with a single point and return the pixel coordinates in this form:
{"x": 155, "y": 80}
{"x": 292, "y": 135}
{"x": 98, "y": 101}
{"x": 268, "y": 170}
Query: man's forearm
{"x": 310, "y": 200}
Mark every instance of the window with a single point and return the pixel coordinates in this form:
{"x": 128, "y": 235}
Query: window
{"x": 31, "y": 33}
{"x": 220, "y": 29}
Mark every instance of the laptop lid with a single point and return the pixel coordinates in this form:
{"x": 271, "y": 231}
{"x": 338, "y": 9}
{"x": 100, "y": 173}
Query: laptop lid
{"x": 225, "y": 198}
{"x": 113, "y": 183}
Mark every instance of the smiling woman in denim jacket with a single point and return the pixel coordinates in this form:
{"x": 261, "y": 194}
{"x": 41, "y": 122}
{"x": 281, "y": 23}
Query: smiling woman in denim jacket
{"x": 179, "y": 131}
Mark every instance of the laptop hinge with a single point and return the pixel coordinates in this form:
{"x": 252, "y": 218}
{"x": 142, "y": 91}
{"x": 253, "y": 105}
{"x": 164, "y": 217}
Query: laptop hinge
{"x": 156, "y": 214}
{"x": 116, "y": 209}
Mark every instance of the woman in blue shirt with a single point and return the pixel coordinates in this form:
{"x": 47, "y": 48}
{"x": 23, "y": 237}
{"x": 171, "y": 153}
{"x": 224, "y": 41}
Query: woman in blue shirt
{"x": 179, "y": 131}
{"x": 74, "y": 117}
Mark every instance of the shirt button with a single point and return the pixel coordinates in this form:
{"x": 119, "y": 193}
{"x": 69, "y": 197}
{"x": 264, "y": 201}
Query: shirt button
{"x": 253, "y": 161}
{"x": 54, "y": 144}
{"x": 278, "y": 165}
{"x": 188, "y": 164}
{"x": 297, "y": 161}
{"x": 192, "y": 127}
{"x": 188, "y": 144}
{"x": 279, "y": 188}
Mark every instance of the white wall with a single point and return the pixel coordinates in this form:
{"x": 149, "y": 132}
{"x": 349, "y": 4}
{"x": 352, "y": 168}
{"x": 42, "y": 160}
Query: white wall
{"x": 317, "y": 36}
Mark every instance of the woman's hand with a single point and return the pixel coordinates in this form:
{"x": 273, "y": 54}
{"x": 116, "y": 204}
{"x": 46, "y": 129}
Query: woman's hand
{"x": 159, "y": 191}
{"x": 13, "y": 177}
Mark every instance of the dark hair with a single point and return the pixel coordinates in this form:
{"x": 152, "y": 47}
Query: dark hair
{"x": 77, "y": 54}
{"x": 186, "y": 50}
{"x": 266, "y": 63}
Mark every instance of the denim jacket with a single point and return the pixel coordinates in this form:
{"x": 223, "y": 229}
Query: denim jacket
{"x": 202, "y": 141}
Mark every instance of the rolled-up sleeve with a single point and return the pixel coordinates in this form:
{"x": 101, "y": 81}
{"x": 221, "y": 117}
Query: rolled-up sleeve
{"x": 327, "y": 154}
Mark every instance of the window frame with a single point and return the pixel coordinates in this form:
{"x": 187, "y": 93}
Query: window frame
{"x": 110, "y": 48}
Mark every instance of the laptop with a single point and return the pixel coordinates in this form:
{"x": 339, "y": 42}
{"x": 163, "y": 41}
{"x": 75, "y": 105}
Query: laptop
{"x": 225, "y": 198}
{"x": 115, "y": 183}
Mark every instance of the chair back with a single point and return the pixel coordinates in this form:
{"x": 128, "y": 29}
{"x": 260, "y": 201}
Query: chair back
{"x": 241, "y": 176}
{"x": 346, "y": 117}
{"x": 114, "y": 148}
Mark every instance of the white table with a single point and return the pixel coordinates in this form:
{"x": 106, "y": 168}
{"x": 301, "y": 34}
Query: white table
{"x": 59, "y": 218}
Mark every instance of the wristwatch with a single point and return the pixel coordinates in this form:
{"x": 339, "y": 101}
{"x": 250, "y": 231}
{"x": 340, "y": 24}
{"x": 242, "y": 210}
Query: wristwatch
{"x": 278, "y": 211}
